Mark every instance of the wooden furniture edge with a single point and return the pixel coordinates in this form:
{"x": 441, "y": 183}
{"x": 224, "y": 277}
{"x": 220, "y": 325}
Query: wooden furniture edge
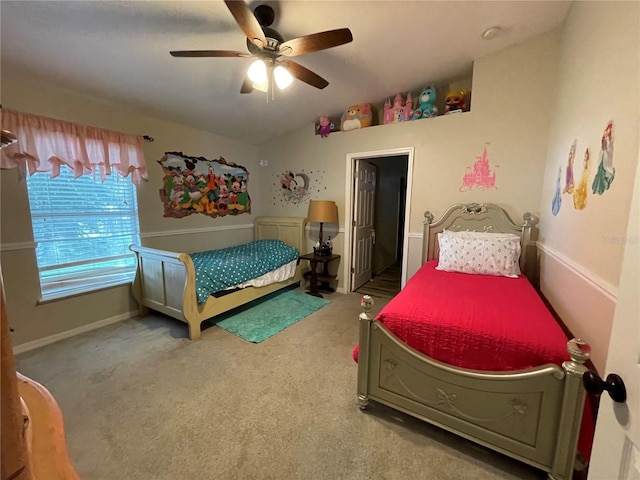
{"x": 33, "y": 439}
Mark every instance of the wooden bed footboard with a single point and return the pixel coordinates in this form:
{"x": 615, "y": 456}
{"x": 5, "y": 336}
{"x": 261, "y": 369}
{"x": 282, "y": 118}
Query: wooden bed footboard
{"x": 161, "y": 281}
{"x": 532, "y": 415}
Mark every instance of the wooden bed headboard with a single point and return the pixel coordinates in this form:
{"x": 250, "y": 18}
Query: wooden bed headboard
{"x": 288, "y": 229}
{"x": 482, "y": 217}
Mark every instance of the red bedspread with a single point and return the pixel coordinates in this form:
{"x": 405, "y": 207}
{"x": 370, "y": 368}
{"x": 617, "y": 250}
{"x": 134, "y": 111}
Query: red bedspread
{"x": 480, "y": 322}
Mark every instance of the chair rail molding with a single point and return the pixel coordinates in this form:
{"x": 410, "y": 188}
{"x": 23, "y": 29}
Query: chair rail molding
{"x": 605, "y": 287}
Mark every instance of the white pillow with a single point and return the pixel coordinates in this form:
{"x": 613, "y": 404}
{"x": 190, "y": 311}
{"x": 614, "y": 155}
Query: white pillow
{"x": 480, "y": 253}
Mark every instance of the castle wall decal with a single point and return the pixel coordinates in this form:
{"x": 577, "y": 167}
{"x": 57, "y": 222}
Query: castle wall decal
{"x": 479, "y": 177}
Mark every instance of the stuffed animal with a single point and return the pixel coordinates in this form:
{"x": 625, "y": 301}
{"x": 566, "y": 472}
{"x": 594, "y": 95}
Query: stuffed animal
{"x": 426, "y": 104}
{"x": 456, "y": 101}
{"x": 324, "y": 126}
{"x": 356, "y": 116}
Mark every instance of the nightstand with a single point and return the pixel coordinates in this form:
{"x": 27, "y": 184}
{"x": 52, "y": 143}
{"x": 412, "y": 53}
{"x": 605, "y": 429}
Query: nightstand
{"x": 319, "y": 281}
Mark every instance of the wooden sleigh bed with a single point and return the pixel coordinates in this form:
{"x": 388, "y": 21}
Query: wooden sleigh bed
{"x": 165, "y": 281}
{"x": 531, "y": 414}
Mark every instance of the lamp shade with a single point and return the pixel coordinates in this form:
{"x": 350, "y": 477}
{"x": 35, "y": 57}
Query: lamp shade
{"x": 322, "y": 211}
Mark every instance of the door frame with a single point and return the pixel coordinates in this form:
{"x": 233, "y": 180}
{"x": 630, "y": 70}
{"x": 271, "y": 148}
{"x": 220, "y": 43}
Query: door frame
{"x": 351, "y": 159}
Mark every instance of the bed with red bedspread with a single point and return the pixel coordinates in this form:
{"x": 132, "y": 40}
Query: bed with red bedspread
{"x": 480, "y": 355}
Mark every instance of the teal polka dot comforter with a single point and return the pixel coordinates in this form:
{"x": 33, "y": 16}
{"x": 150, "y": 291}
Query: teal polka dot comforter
{"x": 218, "y": 270}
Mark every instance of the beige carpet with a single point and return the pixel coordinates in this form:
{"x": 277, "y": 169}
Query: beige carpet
{"x": 141, "y": 402}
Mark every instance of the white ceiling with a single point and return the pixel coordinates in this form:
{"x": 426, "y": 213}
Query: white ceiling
{"x": 119, "y": 51}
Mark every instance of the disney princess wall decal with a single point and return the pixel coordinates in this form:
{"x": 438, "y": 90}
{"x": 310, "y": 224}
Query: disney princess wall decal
{"x": 606, "y": 172}
{"x": 556, "y": 203}
{"x": 580, "y": 192}
{"x": 568, "y": 181}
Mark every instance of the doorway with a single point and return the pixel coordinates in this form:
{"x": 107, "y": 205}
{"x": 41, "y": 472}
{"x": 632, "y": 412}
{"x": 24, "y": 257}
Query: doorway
{"x": 383, "y": 251}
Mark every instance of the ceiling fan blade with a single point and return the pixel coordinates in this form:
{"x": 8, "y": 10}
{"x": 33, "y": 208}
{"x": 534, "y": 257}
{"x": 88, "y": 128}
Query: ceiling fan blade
{"x": 247, "y": 86}
{"x": 208, "y": 53}
{"x": 315, "y": 42}
{"x": 247, "y": 22}
{"x": 303, "y": 73}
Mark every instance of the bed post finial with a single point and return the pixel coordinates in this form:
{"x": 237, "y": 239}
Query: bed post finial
{"x": 530, "y": 219}
{"x": 579, "y": 350}
{"x": 366, "y": 302}
{"x": 428, "y": 217}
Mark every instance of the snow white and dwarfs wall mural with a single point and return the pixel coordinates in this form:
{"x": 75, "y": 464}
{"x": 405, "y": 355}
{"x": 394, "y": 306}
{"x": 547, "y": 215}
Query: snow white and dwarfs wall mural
{"x": 198, "y": 185}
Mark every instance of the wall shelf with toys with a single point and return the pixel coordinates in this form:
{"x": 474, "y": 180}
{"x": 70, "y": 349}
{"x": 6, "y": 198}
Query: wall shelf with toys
{"x": 428, "y": 102}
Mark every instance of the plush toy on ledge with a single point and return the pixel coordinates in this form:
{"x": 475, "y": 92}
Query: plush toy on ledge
{"x": 356, "y": 116}
{"x": 456, "y": 101}
{"x": 426, "y": 104}
{"x": 397, "y": 112}
{"x": 324, "y": 126}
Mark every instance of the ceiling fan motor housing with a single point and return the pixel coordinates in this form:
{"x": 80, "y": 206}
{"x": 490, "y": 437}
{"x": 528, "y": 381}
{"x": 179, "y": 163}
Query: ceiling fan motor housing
{"x": 274, "y": 39}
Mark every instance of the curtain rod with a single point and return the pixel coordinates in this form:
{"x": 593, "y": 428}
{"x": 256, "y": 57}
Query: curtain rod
{"x": 148, "y": 138}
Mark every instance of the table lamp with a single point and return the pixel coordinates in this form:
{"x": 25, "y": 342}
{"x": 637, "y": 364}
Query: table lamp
{"x": 322, "y": 211}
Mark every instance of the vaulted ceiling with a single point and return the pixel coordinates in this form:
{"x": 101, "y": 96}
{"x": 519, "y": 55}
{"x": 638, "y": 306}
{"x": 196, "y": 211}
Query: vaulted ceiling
{"x": 118, "y": 51}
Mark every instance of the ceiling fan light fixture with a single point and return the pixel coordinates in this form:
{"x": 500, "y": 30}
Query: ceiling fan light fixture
{"x": 283, "y": 77}
{"x": 257, "y": 72}
{"x": 262, "y": 86}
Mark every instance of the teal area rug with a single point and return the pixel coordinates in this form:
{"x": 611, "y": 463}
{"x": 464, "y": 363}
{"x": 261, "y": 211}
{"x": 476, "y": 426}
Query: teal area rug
{"x": 258, "y": 320}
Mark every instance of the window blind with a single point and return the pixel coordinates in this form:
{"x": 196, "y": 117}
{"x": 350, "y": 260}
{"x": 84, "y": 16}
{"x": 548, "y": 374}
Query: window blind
{"x": 83, "y": 228}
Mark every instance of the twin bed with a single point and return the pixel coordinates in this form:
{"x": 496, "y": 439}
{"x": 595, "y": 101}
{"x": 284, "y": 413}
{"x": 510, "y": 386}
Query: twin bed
{"x": 475, "y": 352}
{"x": 166, "y": 281}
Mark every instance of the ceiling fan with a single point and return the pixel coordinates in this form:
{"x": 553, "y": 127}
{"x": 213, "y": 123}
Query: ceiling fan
{"x": 271, "y": 50}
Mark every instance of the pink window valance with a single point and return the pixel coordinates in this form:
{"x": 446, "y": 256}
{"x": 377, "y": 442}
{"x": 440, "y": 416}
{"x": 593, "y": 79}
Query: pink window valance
{"x": 44, "y": 144}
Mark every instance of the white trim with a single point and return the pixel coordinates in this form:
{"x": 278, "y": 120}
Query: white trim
{"x": 415, "y": 235}
{"x": 169, "y": 233}
{"x": 606, "y": 288}
{"x": 41, "y": 342}
{"x": 191, "y": 231}
{"x": 10, "y": 247}
{"x": 351, "y": 159}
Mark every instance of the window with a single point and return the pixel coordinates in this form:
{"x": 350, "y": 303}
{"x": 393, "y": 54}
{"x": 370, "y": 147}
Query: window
{"x": 83, "y": 228}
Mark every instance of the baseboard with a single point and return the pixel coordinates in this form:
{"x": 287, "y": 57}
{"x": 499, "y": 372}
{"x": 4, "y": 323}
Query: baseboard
{"x": 41, "y": 342}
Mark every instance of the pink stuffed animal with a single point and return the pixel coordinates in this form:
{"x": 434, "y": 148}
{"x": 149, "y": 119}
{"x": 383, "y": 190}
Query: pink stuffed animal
{"x": 324, "y": 126}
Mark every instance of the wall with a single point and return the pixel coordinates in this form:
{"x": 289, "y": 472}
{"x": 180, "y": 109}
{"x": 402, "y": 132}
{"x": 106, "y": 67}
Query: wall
{"x": 509, "y": 110}
{"x": 32, "y": 321}
{"x": 581, "y": 250}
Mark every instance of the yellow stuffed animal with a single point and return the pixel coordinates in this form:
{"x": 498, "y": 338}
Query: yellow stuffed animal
{"x": 356, "y": 116}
